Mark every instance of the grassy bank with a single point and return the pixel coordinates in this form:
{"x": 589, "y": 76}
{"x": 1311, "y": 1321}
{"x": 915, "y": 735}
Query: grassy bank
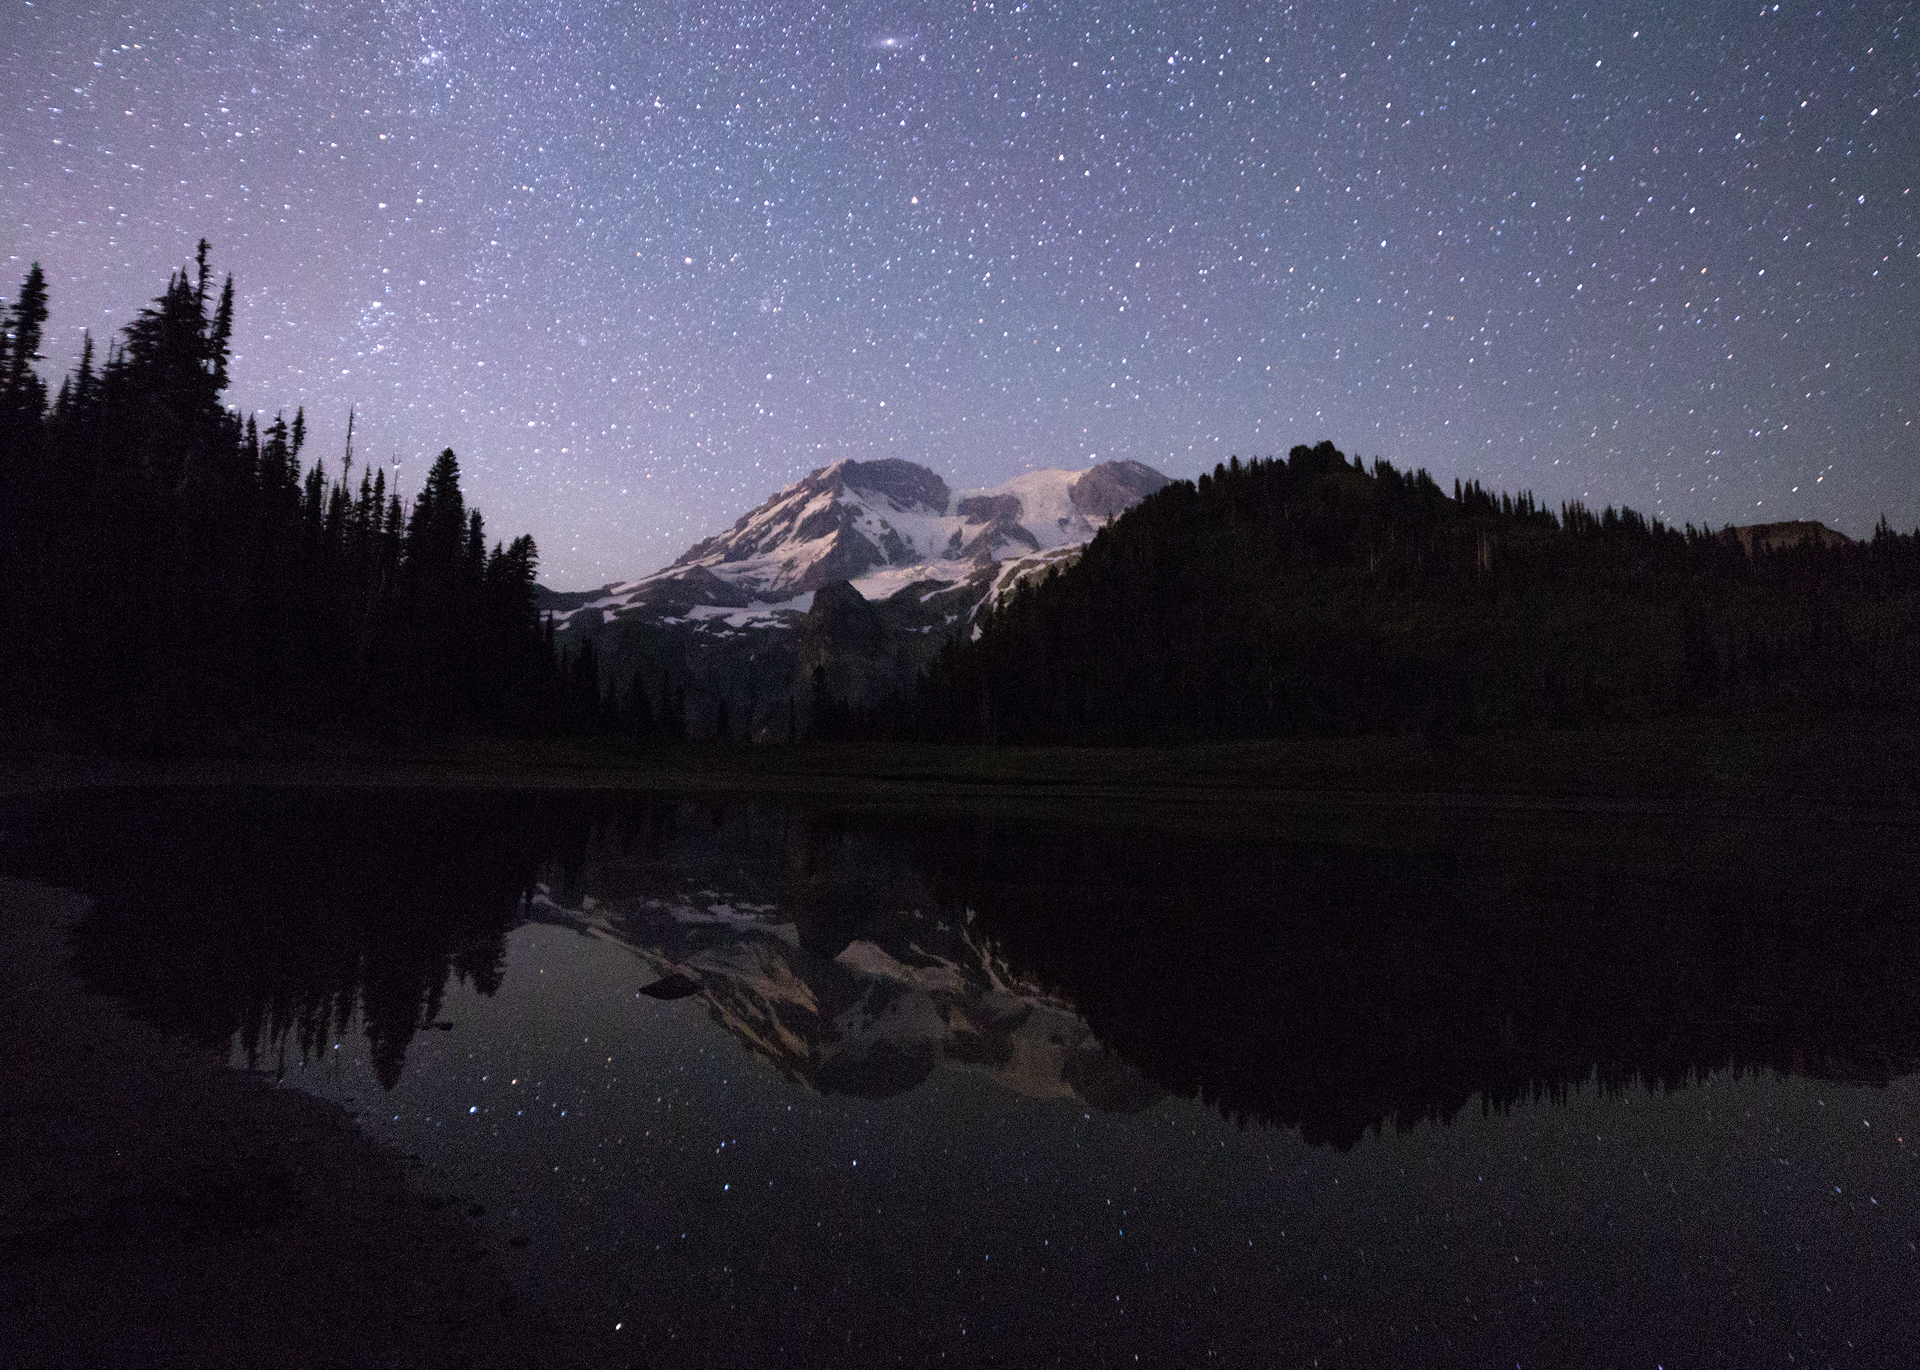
{"x": 1852, "y": 763}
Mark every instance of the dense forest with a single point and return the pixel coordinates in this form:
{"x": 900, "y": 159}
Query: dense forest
{"x": 1315, "y": 595}
{"x": 167, "y": 565}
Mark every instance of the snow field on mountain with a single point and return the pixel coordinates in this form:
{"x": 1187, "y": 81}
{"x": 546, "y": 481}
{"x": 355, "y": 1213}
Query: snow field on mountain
{"x": 882, "y": 526}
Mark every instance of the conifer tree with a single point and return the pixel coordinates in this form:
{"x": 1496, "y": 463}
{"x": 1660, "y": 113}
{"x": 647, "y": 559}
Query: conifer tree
{"x": 22, "y": 393}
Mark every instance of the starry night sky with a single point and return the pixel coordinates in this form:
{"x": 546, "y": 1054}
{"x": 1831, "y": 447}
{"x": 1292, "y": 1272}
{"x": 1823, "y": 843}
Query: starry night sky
{"x": 641, "y": 265}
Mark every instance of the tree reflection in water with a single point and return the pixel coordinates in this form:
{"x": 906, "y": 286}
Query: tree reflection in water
{"x": 273, "y": 917}
{"x": 1338, "y": 987}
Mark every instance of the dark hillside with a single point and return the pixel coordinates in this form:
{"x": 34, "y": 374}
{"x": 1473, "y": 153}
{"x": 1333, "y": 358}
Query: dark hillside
{"x": 1314, "y": 595}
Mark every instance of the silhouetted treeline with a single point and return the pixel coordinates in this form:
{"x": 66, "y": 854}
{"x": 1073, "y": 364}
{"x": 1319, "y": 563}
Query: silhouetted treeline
{"x": 1314, "y": 595}
{"x": 164, "y": 561}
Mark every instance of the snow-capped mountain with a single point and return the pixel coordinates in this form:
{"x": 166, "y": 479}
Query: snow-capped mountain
{"x": 882, "y": 526}
{"x": 846, "y": 583}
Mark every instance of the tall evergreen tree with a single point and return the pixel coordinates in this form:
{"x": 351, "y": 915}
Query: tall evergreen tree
{"x": 22, "y": 393}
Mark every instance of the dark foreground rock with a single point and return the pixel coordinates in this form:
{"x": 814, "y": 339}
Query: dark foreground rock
{"x": 161, "y": 1210}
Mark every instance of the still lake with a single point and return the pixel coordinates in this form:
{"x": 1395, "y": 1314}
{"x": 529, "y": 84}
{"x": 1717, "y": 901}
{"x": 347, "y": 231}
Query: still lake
{"x": 747, "y": 1083}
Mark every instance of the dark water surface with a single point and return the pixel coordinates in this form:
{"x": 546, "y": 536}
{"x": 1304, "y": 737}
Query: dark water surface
{"x": 777, "y": 1084}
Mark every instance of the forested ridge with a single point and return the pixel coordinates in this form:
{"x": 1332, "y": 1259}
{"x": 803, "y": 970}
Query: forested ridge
{"x": 1316, "y": 595}
{"x": 167, "y": 564}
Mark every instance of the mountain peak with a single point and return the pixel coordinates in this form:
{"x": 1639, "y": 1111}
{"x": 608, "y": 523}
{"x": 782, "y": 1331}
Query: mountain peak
{"x": 907, "y": 484}
{"x": 888, "y": 523}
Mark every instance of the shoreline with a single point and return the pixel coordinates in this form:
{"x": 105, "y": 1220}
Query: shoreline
{"x": 163, "y": 1209}
{"x": 1857, "y": 768}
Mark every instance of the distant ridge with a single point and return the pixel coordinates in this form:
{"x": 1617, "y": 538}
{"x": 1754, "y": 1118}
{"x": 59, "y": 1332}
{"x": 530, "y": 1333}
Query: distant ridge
{"x": 1777, "y": 537}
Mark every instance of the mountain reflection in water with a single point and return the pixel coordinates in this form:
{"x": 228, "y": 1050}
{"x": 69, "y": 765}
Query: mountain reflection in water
{"x": 876, "y": 1018}
{"x": 1329, "y": 985}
